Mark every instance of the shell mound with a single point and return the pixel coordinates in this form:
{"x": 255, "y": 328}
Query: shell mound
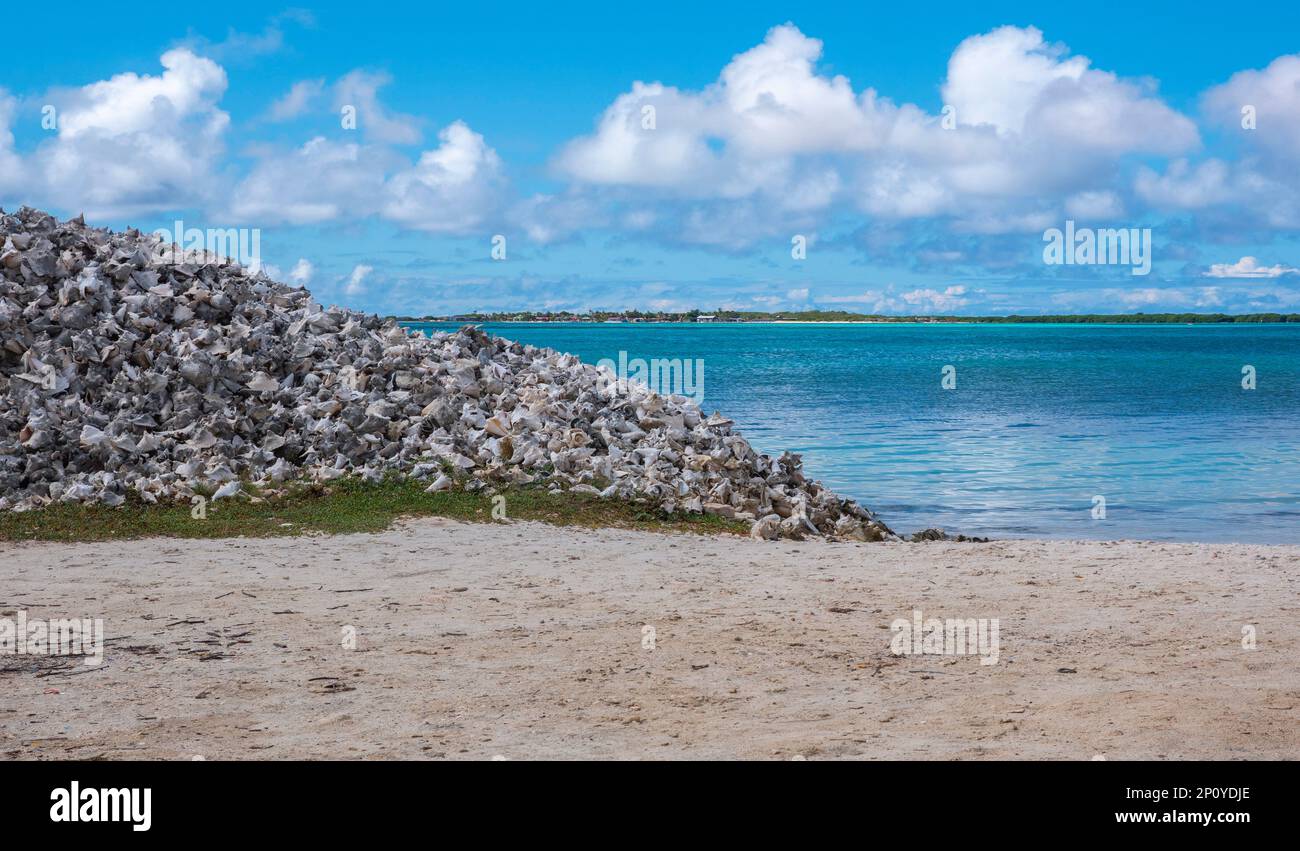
{"x": 125, "y": 368}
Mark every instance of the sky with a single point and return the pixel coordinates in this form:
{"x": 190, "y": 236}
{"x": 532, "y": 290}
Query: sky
{"x": 436, "y": 159}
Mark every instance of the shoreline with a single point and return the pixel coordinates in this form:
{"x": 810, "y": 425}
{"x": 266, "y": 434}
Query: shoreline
{"x": 307, "y": 509}
{"x": 517, "y": 641}
{"x": 302, "y": 509}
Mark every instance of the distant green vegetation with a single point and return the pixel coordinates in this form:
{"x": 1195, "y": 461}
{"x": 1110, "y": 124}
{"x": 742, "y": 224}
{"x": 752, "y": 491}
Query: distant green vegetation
{"x": 845, "y": 316}
{"x": 342, "y": 507}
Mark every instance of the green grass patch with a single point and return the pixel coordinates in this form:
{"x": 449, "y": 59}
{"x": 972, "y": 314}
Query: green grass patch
{"x": 342, "y": 507}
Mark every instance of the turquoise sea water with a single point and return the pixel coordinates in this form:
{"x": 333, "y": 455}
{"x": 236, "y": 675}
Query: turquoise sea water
{"x": 1043, "y": 419}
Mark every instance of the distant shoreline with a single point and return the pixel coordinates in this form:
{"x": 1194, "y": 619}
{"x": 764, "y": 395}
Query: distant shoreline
{"x": 1099, "y": 319}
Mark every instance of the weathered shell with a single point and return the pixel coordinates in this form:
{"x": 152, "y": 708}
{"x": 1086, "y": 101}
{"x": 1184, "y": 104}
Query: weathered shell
{"x": 122, "y": 369}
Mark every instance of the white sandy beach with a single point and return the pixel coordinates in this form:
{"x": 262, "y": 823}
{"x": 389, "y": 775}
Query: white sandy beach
{"x": 521, "y": 641}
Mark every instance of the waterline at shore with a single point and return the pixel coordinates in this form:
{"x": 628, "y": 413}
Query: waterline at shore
{"x": 1038, "y": 422}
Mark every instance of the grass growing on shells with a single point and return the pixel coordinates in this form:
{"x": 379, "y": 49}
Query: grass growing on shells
{"x": 344, "y": 506}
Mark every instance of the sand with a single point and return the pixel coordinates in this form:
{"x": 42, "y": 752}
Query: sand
{"x": 518, "y": 641}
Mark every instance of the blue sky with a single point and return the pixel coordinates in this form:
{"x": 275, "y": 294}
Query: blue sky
{"x": 771, "y": 121}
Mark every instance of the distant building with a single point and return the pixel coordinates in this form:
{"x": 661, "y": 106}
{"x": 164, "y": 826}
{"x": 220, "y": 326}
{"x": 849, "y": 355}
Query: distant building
{"x": 706, "y": 317}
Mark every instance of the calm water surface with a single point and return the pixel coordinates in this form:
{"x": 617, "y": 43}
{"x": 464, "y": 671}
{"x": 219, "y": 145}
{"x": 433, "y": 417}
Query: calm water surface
{"x": 1043, "y": 419}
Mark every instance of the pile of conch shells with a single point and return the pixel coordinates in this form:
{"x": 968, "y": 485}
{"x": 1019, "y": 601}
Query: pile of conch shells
{"x": 124, "y": 370}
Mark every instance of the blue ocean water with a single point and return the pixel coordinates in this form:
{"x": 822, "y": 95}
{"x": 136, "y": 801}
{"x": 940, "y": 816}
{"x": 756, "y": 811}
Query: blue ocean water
{"x": 1043, "y": 419}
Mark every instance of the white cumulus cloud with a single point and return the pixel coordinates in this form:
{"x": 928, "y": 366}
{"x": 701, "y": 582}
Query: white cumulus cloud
{"x": 136, "y": 142}
{"x": 1032, "y": 134}
{"x": 360, "y": 89}
{"x": 1248, "y": 267}
{"x": 296, "y": 101}
{"x": 301, "y": 273}
{"x": 451, "y": 189}
{"x": 357, "y": 280}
